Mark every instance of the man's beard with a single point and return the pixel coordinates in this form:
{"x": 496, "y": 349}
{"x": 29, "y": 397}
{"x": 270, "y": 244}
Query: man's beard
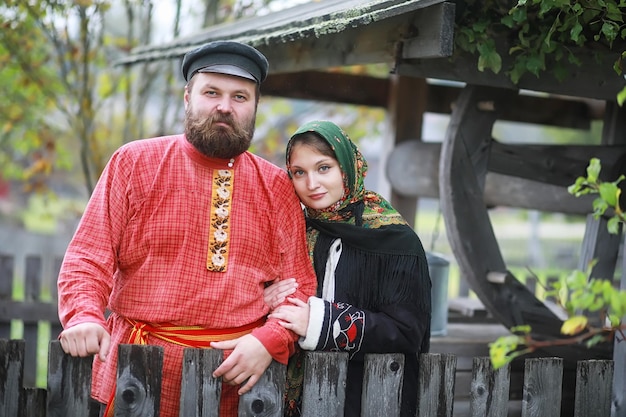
{"x": 218, "y": 141}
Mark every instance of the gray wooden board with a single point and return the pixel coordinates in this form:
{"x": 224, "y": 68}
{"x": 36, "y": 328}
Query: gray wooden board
{"x": 200, "y": 392}
{"x": 382, "y": 385}
{"x": 325, "y": 392}
{"x": 69, "y": 383}
{"x": 138, "y": 389}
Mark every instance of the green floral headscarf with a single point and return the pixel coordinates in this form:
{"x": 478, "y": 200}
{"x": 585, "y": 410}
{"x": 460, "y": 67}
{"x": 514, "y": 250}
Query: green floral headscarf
{"x": 358, "y": 204}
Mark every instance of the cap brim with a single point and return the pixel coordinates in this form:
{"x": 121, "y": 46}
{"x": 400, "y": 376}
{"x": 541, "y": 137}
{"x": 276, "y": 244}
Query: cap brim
{"x": 229, "y": 70}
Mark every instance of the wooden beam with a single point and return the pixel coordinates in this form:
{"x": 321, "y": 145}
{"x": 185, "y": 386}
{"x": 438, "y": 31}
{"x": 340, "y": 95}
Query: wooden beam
{"x": 364, "y": 90}
{"x": 594, "y": 78}
{"x": 337, "y": 87}
{"x": 436, "y": 34}
{"x": 329, "y": 34}
{"x": 407, "y": 104}
{"x": 555, "y": 164}
{"x": 619, "y": 356}
{"x": 525, "y": 176}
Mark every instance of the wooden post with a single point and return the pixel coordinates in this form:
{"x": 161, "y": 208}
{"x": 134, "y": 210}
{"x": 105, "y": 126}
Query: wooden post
{"x": 324, "y": 390}
{"x": 32, "y": 293}
{"x": 200, "y": 392}
{"x": 436, "y": 385}
{"x": 55, "y": 325}
{"x": 382, "y": 385}
{"x": 407, "y": 103}
{"x": 619, "y": 358}
{"x": 598, "y": 243}
{"x": 543, "y": 381}
{"x": 6, "y": 291}
{"x": 615, "y": 128}
{"x": 35, "y": 402}
{"x": 266, "y": 396}
{"x": 69, "y": 383}
{"x": 12, "y": 370}
{"x": 489, "y": 395}
{"x": 594, "y": 380}
{"x": 138, "y": 391}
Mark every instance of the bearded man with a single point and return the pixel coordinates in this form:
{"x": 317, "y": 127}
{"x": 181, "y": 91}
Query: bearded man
{"x": 181, "y": 236}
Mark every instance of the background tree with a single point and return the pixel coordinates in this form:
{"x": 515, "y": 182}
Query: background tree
{"x": 69, "y": 107}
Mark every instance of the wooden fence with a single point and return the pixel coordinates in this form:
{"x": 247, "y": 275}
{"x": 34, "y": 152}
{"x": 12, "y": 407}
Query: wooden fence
{"x": 139, "y": 376}
{"x": 33, "y": 278}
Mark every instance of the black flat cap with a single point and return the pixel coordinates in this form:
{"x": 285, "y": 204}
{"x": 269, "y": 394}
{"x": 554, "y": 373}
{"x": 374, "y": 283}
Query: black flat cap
{"x": 226, "y": 57}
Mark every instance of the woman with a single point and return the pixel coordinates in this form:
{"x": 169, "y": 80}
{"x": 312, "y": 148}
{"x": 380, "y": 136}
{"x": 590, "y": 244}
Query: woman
{"x": 373, "y": 283}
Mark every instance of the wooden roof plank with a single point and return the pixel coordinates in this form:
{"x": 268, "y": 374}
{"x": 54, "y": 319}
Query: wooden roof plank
{"x": 335, "y": 33}
{"x": 594, "y": 78}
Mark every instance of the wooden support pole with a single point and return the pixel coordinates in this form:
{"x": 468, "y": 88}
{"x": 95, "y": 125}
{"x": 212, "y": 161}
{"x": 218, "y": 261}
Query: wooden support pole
{"x": 407, "y": 104}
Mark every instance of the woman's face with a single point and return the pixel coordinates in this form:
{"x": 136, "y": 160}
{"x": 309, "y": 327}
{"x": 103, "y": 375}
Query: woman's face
{"x": 316, "y": 177}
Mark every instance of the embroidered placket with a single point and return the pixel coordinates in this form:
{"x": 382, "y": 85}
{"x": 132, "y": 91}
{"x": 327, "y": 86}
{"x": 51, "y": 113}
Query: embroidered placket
{"x": 219, "y": 233}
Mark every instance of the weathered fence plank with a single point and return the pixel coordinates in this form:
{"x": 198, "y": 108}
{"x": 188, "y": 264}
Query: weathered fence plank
{"x": 325, "y": 391}
{"x": 200, "y": 392}
{"x": 382, "y": 385}
{"x": 37, "y": 277}
{"x": 35, "y": 402}
{"x": 32, "y": 293}
{"x": 489, "y": 392}
{"x": 542, "y": 387}
{"x": 11, "y": 377}
{"x": 55, "y": 325}
{"x": 594, "y": 384}
{"x": 139, "y": 386}
{"x": 265, "y": 399}
{"x": 69, "y": 383}
{"x": 138, "y": 390}
{"x": 436, "y": 385}
{"x": 6, "y": 294}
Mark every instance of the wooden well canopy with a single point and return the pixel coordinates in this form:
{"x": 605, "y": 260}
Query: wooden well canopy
{"x": 470, "y": 170}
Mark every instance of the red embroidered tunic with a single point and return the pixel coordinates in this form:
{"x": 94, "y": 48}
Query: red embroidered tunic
{"x": 141, "y": 251}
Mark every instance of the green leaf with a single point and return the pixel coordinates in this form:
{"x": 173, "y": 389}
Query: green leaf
{"x": 621, "y": 97}
{"x": 593, "y": 170}
{"x": 599, "y": 207}
{"x": 575, "y": 31}
{"x": 613, "y": 225}
{"x": 521, "y": 329}
{"x": 508, "y": 21}
{"x": 534, "y": 64}
{"x": 618, "y": 303}
{"x": 608, "y": 192}
{"x": 489, "y": 58}
{"x": 577, "y": 187}
{"x": 614, "y": 320}
{"x": 610, "y": 30}
{"x": 595, "y": 340}
{"x": 613, "y": 12}
{"x": 576, "y": 279}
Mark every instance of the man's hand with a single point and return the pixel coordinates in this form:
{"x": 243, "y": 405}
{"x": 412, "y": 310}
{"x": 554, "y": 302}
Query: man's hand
{"x": 86, "y": 339}
{"x": 276, "y": 293}
{"x": 248, "y": 360}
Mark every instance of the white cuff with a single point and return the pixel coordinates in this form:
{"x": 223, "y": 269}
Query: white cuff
{"x": 314, "y": 328}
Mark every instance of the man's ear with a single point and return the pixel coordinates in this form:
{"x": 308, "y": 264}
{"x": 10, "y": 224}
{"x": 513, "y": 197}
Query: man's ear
{"x": 186, "y": 97}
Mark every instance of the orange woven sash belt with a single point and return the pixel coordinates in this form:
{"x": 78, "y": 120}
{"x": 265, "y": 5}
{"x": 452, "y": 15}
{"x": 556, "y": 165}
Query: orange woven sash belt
{"x": 188, "y": 336}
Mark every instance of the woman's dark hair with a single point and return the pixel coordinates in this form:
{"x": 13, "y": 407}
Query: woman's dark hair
{"x": 315, "y": 141}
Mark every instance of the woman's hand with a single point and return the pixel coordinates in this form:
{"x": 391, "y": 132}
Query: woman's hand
{"x": 294, "y": 317}
{"x": 275, "y": 294}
